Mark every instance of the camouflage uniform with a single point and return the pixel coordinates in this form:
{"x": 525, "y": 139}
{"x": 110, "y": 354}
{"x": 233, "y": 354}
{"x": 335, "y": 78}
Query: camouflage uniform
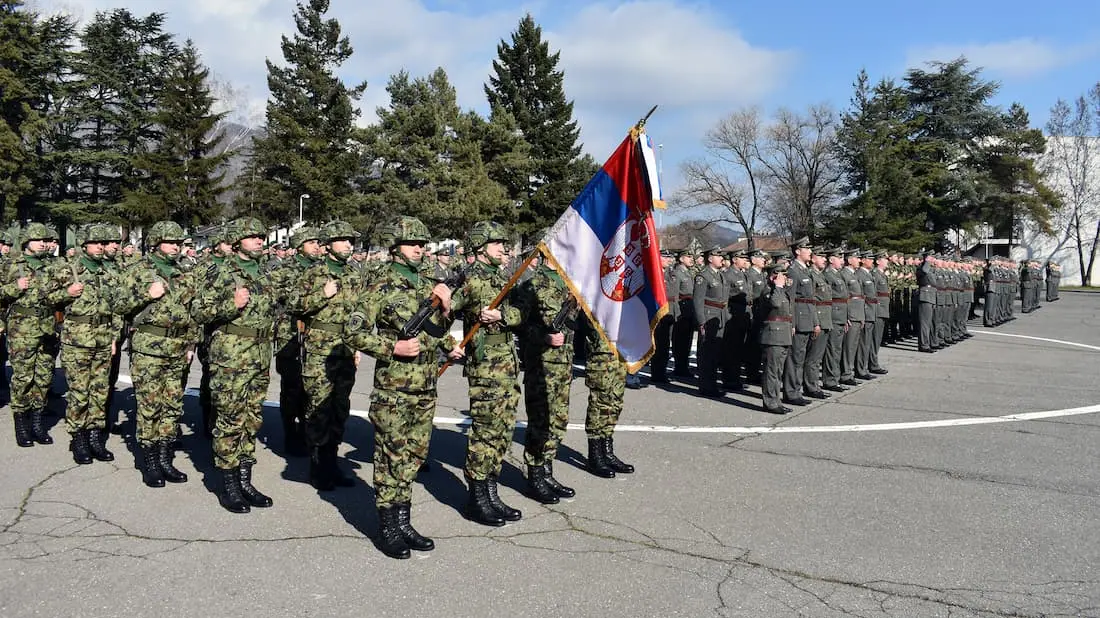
{"x": 328, "y": 364}
{"x": 605, "y": 376}
{"x": 203, "y": 272}
{"x": 164, "y": 335}
{"x": 404, "y": 395}
{"x": 9, "y": 239}
{"x": 240, "y": 359}
{"x": 547, "y": 376}
{"x": 32, "y": 341}
{"x": 492, "y": 370}
{"x": 89, "y": 331}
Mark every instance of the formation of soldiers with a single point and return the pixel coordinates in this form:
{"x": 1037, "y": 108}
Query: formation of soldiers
{"x": 314, "y": 308}
{"x": 809, "y": 321}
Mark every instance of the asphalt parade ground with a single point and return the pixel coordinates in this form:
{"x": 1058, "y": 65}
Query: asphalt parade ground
{"x": 963, "y": 483}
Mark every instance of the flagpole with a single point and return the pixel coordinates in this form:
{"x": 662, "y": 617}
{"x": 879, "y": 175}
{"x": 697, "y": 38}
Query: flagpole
{"x": 493, "y": 305}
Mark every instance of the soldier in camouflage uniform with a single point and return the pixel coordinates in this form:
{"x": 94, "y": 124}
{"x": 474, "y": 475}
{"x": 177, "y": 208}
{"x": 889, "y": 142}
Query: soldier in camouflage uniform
{"x": 110, "y": 262}
{"x": 242, "y": 304}
{"x": 548, "y": 373}
{"x": 222, "y": 249}
{"x": 32, "y": 342}
{"x": 324, "y": 296}
{"x": 159, "y": 294}
{"x": 492, "y": 369}
{"x": 404, "y": 394}
{"x": 8, "y": 239}
{"x": 288, "y": 350}
{"x": 605, "y": 377}
{"x": 88, "y": 339}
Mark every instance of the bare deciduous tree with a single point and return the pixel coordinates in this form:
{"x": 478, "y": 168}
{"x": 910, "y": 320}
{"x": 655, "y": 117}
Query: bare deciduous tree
{"x": 803, "y": 174}
{"x": 1073, "y": 160}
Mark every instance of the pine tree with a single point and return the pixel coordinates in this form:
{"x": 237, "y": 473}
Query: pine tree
{"x": 184, "y": 170}
{"x": 20, "y": 123}
{"x": 527, "y": 85}
{"x": 310, "y": 142}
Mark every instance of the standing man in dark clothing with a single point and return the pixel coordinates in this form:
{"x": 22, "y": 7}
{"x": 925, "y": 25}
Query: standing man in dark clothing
{"x": 806, "y": 325}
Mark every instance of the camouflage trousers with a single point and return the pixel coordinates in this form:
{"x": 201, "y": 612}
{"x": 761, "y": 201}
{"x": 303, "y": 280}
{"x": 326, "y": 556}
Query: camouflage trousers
{"x": 158, "y": 390}
{"x": 87, "y": 372}
{"x": 327, "y": 380}
{"x": 402, "y": 431}
{"x": 32, "y": 363}
{"x": 493, "y": 403}
{"x": 546, "y": 396}
{"x": 605, "y": 377}
{"x": 238, "y": 397}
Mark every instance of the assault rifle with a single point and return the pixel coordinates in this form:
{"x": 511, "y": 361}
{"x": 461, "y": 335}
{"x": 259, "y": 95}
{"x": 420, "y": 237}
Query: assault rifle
{"x": 563, "y": 314}
{"x": 421, "y": 320}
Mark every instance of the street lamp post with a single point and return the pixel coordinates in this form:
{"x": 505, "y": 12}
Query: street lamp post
{"x": 301, "y": 211}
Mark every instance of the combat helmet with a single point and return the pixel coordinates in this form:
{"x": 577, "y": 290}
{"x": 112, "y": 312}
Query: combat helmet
{"x": 101, "y": 233}
{"x": 244, "y": 227}
{"x": 485, "y": 232}
{"x": 335, "y": 230}
{"x": 403, "y": 229}
{"x": 38, "y": 231}
{"x": 164, "y": 231}
{"x": 303, "y": 235}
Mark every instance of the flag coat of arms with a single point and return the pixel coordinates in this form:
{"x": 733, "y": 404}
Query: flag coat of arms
{"x": 606, "y": 249}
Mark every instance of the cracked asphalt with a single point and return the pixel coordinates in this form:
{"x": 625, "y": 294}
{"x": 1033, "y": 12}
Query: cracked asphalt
{"x": 980, "y": 520}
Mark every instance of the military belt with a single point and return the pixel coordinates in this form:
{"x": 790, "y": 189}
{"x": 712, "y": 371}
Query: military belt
{"x": 714, "y": 303}
{"x": 90, "y": 320}
{"x": 246, "y": 331}
{"x": 823, "y": 303}
{"x": 857, "y": 297}
{"x": 497, "y": 339}
{"x": 328, "y": 327}
{"x": 842, "y": 300}
{"x": 685, "y": 297}
{"x": 872, "y": 301}
{"x": 160, "y": 331}
{"x": 30, "y": 312}
{"x": 781, "y": 318}
{"x": 804, "y": 301}
{"x": 884, "y": 295}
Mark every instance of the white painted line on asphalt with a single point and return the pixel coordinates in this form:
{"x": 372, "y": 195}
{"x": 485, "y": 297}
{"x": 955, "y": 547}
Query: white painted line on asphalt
{"x": 1061, "y": 341}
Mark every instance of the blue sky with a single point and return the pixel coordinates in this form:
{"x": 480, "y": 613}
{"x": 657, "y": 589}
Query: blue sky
{"x": 699, "y": 60}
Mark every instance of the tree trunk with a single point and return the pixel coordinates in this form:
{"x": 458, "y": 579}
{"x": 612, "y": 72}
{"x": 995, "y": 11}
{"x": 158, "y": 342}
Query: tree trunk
{"x": 1086, "y": 276}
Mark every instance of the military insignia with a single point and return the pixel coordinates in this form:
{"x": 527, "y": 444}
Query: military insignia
{"x": 356, "y": 321}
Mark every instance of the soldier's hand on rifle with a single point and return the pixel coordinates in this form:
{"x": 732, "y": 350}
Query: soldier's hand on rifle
{"x": 555, "y": 340}
{"x": 406, "y": 348}
{"x": 443, "y": 293}
{"x": 156, "y": 290}
{"x": 76, "y": 289}
{"x": 240, "y": 297}
{"x": 114, "y": 348}
{"x": 488, "y": 316}
{"x": 23, "y": 282}
{"x": 456, "y": 353}
{"x": 331, "y": 288}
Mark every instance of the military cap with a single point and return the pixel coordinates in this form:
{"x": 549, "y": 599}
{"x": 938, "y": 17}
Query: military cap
{"x": 714, "y": 250}
{"x": 780, "y": 255}
{"x": 776, "y": 269}
{"x": 667, "y": 253}
{"x": 740, "y": 253}
{"x": 868, "y": 254}
{"x": 757, "y": 253}
{"x": 801, "y": 243}
{"x": 685, "y": 251}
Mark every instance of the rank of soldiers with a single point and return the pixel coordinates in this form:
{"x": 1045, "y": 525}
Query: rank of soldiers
{"x": 313, "y": 308}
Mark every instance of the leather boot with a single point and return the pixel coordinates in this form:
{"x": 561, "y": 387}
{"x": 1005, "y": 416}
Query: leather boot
{"x": 616, "y": 464}
{"x": 390, "y": 540}
{"x": 251, "y": 494}
{"x": 79, "y": 446}
{"x": 414, "y": 539}
{"x": 151, "y": 473}
{"x": 230, "y": 497}
{"x": 23, "y": 430}
{"x": 98, "y": 443}
{"x": 538, "y": 488}
{"x": 318, "y": 471}
{"x": 597, "y": 459}
{"x": 562, "y": 490}
{"x": 478, "y": 508}
{"x": 331, "y": 459}
{"x": 38, "y": 429}
{"x": 506, "y": 512}
{"x": 165, "y": 453}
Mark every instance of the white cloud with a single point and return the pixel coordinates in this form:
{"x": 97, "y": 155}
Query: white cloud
{"x": 1019, "y": 58}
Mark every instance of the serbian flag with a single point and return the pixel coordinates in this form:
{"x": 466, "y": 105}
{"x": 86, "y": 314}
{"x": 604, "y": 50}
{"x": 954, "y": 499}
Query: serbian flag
{"x": 605, "y": 247}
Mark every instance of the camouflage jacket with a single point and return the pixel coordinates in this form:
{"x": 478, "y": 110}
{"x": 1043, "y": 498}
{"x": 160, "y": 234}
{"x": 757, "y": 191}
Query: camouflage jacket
{"x": 163, "y": 327}
{"x": 30, "y": 312}
{"x": 492, "y": 351}
{"x": 325, "y": 318}
{"x": 380, "y": 312}
{"x": 545, "y": 293}
{"x": 90, "y": 320}
{"x": 285, "y": 278}
{"x": 241, "y": 338}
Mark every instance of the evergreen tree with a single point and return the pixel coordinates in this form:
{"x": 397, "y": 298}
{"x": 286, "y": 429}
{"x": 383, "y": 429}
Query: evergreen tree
{"x": 184, "y": 171}
{"x": 20, "y": 123}
{"x": 310, "y": 142}
{"x": 527, "y": 85}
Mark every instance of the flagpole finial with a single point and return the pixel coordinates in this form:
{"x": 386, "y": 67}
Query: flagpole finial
{"x": 641, "y": 123}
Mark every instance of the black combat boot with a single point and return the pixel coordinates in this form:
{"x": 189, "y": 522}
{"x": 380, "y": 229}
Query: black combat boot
{"x": 331, "y": 459}
{"x": 165, "y": 453}
{"x": 538, "y": 488}
{"x": 251, "y": 494}
{"x": 506, "y": 512}
{"x": 616, "y": 464}
{"x": 479, "y": 508}
{"x": 23, "y": 430}
{"x": 562, "y": 490}
{"x": 597, "y": 459}
{"x": 97, "y": 441}
{"x": 390, "y": 540}
{"x": 151, "y": 473}
{"x": 319, "y": 471}
{"x": 414, "y": 539}
{"x": 79, "y": 446}
{"x": 231, "y": 498}
{"x": 38, "y": 430}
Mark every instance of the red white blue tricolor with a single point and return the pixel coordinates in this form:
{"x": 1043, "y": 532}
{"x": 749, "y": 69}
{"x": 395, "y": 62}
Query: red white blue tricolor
{"x": 606, "y": 249}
